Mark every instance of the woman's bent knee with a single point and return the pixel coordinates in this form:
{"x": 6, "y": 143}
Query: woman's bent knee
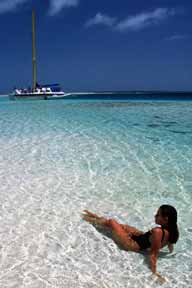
{"x": 113, "y": 223}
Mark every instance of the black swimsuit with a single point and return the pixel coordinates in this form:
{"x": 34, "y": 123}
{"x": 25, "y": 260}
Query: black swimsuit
{"x": 143, "y": 239}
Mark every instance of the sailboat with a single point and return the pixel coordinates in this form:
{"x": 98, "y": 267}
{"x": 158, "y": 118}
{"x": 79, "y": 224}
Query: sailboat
{"x": 37, "y": 91}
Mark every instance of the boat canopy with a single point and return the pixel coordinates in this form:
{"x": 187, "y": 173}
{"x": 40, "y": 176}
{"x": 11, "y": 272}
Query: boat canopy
{"x": 50, "y": 85}
{"x": 54, "y": 87}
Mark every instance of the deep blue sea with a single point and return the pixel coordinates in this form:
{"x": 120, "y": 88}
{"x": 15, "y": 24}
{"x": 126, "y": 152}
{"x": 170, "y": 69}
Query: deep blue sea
{"x": 118, "y": 157}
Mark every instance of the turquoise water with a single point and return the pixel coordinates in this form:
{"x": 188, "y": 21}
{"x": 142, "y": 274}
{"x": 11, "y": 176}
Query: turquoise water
{"x": 119, "y": 159}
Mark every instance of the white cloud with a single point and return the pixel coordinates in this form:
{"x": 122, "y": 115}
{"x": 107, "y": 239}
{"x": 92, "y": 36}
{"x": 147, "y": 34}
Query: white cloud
{"x": 142, "y": 20}
{"x": 57, "y": 5}
{"x": 178, "y": 37}
{"x": 10, "y": 5}
{"x": 101, "y": 19}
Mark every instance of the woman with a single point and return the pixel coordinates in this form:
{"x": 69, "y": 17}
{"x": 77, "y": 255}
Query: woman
{"x": 131, "y": 239}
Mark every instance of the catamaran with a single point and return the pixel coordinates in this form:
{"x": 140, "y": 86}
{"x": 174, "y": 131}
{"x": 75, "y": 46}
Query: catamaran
{"x": 40, "y": 91}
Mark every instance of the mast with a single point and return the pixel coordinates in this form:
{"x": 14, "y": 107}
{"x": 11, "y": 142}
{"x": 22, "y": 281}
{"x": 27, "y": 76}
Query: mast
{"x": 34, "y": 70}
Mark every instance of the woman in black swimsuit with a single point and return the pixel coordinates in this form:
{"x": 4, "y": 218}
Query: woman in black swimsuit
{"x": 131, "y": 239}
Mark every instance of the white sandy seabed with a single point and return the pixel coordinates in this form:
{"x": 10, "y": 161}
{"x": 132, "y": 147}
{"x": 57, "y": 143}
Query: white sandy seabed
{"x": 121, "y": 161}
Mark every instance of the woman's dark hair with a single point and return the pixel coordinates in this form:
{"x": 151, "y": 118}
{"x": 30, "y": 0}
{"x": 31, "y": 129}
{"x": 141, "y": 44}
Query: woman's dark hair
{"x": 171, "y": 213}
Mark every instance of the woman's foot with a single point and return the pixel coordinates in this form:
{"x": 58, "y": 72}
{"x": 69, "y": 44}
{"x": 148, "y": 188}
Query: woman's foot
{"x": 89, "y": 219}
{"x": 90, "y": 214}
{"x": 94, "y": 219}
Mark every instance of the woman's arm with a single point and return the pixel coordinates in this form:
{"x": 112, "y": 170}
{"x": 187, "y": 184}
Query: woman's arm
{"x": 155, "y": 247}
{"x": 170, "y": 246}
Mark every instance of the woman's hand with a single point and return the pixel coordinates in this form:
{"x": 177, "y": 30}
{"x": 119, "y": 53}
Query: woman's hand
{"x": 170, "y": 246}
{"x": 160, "y": 278}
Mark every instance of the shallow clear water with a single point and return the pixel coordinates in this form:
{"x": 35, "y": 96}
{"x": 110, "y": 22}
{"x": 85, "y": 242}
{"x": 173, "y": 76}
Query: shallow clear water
{"x": 119, "y": 159}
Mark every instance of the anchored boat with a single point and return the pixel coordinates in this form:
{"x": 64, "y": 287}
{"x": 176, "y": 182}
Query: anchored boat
{"x": 37, "y": 90}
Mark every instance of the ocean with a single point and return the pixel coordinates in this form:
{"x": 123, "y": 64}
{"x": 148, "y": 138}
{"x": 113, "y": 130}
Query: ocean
{"x": 120, "y": 158}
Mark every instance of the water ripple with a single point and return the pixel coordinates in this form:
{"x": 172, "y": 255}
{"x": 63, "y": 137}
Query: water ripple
{"x": 57, "y": 159}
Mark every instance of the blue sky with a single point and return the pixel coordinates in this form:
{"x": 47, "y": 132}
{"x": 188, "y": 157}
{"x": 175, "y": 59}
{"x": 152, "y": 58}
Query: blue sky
{"x": 98, "y": 44}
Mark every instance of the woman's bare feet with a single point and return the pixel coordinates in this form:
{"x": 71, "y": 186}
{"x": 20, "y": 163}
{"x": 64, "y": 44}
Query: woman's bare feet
{"x": 94, "y": 219}
{"x": 90, "y": 214}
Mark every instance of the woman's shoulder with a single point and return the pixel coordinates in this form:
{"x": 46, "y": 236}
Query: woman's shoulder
{"x": 157, "y": 230}
{"x": 160, "y": 234}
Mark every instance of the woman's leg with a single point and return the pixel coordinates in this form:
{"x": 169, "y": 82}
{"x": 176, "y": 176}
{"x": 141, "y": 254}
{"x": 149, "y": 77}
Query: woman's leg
{"x": 95, "y": 219}
{"x": 131, "y": 230}
{"x": 121, "y": 237}
{"x": 120, "y": 232}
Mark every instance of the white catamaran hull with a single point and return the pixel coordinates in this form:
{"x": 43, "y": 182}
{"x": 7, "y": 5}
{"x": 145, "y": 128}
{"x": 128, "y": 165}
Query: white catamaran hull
{"x": 39, "y": 95}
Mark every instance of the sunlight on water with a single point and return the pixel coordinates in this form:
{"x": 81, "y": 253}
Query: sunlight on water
{"x": 121, "y": 160}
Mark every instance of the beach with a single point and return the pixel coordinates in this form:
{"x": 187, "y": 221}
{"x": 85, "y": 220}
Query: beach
{"x": 118, "y": 158}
